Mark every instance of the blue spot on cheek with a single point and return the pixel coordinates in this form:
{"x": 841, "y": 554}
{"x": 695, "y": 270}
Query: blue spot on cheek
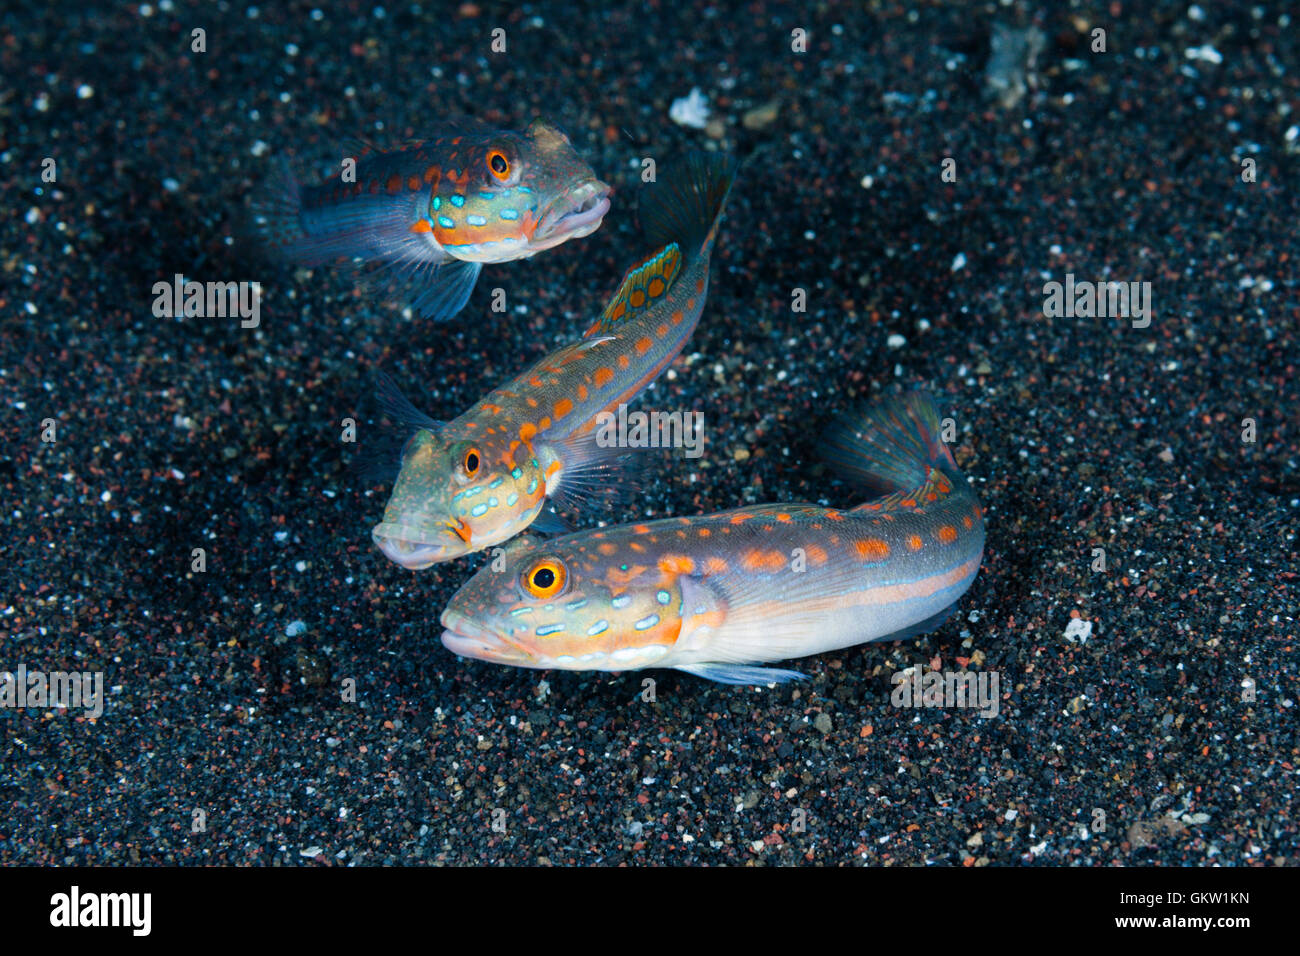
{"x": 509, "y": 213}
{"x": 479, "y": 510}
{"x": 600, "y": 627}
{"x": 476, "y": 220}
{"x": 446, "y": 223}
{"x": 516, "y": 473}
{"x": 620, "y": 602}
{"x": 486, "y": 195}
{"x": 549, "y": 629}
{"x": 510, "y": 502}
{"x": 663, "y": 597}
{"x": 532, "y": 485}
{"x": 458, "y": 200}
{"x": 575, "y": 605}
{"x": 524, "y": 189}
{"x": 647, "y": 622}
{"x": 496, "y": 483}
{"x": 437, "y": 203}
{"x": 492, "y": 502}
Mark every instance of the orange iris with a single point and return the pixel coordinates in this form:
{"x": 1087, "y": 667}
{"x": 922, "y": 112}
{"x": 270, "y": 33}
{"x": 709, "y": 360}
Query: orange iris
{"x": 545, "y": 578}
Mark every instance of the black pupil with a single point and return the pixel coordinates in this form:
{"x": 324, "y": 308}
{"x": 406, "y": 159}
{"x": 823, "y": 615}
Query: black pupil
{"x": 543, "y": 578}
{"x": 471, "y": 462}
{"x": 498, "y": 164}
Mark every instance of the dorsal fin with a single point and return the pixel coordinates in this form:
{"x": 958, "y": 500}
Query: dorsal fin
{"x": 643, "y": 285}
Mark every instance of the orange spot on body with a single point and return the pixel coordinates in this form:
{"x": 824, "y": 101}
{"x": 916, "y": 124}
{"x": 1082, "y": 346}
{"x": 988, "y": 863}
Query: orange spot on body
{"x": 661, "y": 331}
{"x": 413, "y": 183}
{"x": 643, "y": 345}
{"x": 914, "y": 542}
{"x": 562, "y": 408}
{"x": 637, "y": 298}
{"x": 527, "y": 432}
{"x": 967, "y": 523}
{"x": 676, "y": 564}
{"x": 603, "y": 377}
{"x": 716, "y": 566}
{"x": 947, "y": 534}
{"x": 763, "y": 560}
{"x": 607, "y": 549}
{"x": 656, "y": 287}
{"x": 394, "y": 184}
{"x": 624, "y": 362}
{"x": 677, "y": 317}
{"x": 582, "y": 393}
{"x": 815, "y": 554}
{"x": 422, "y": 225}
{"x": 872, "y": 549}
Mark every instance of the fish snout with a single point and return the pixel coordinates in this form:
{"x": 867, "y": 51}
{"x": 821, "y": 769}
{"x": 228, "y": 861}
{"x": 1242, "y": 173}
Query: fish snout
{"x": 410, "y": 549}
{"x": 575, "y": 214}
{"x": 463, "y": 636}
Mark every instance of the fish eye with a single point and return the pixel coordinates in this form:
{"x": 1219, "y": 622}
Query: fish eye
{"x": 499, "y": 165}
{"x": 545, "y": 578}
{"x": 471, "y": 462}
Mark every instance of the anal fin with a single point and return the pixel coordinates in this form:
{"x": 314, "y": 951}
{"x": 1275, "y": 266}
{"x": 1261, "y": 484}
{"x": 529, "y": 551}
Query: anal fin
{"x": 741, "y": 673}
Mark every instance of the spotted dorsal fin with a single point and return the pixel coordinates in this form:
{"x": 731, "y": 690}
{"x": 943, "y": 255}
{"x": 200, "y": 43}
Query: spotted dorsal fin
{"x": 643, "y": 285}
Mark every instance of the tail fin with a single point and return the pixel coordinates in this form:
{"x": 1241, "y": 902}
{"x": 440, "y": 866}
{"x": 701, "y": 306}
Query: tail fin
{"x": 686, "y": 208}
{"x": 276, "y": 212}
{"x": 680, "y": 217}
{"x": 890, "y": 447}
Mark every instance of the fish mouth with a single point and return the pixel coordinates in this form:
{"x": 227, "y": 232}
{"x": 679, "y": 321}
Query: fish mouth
{"x": 576, "y": 214}
{"x": 464, "y": 638}
{"x": 411, "y": 549}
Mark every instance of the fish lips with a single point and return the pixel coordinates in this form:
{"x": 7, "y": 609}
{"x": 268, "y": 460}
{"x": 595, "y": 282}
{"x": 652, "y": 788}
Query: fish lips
{"x": 411, "y": 549}
{"x": 463, "y": 637}
{"x": 577, "y": 213}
